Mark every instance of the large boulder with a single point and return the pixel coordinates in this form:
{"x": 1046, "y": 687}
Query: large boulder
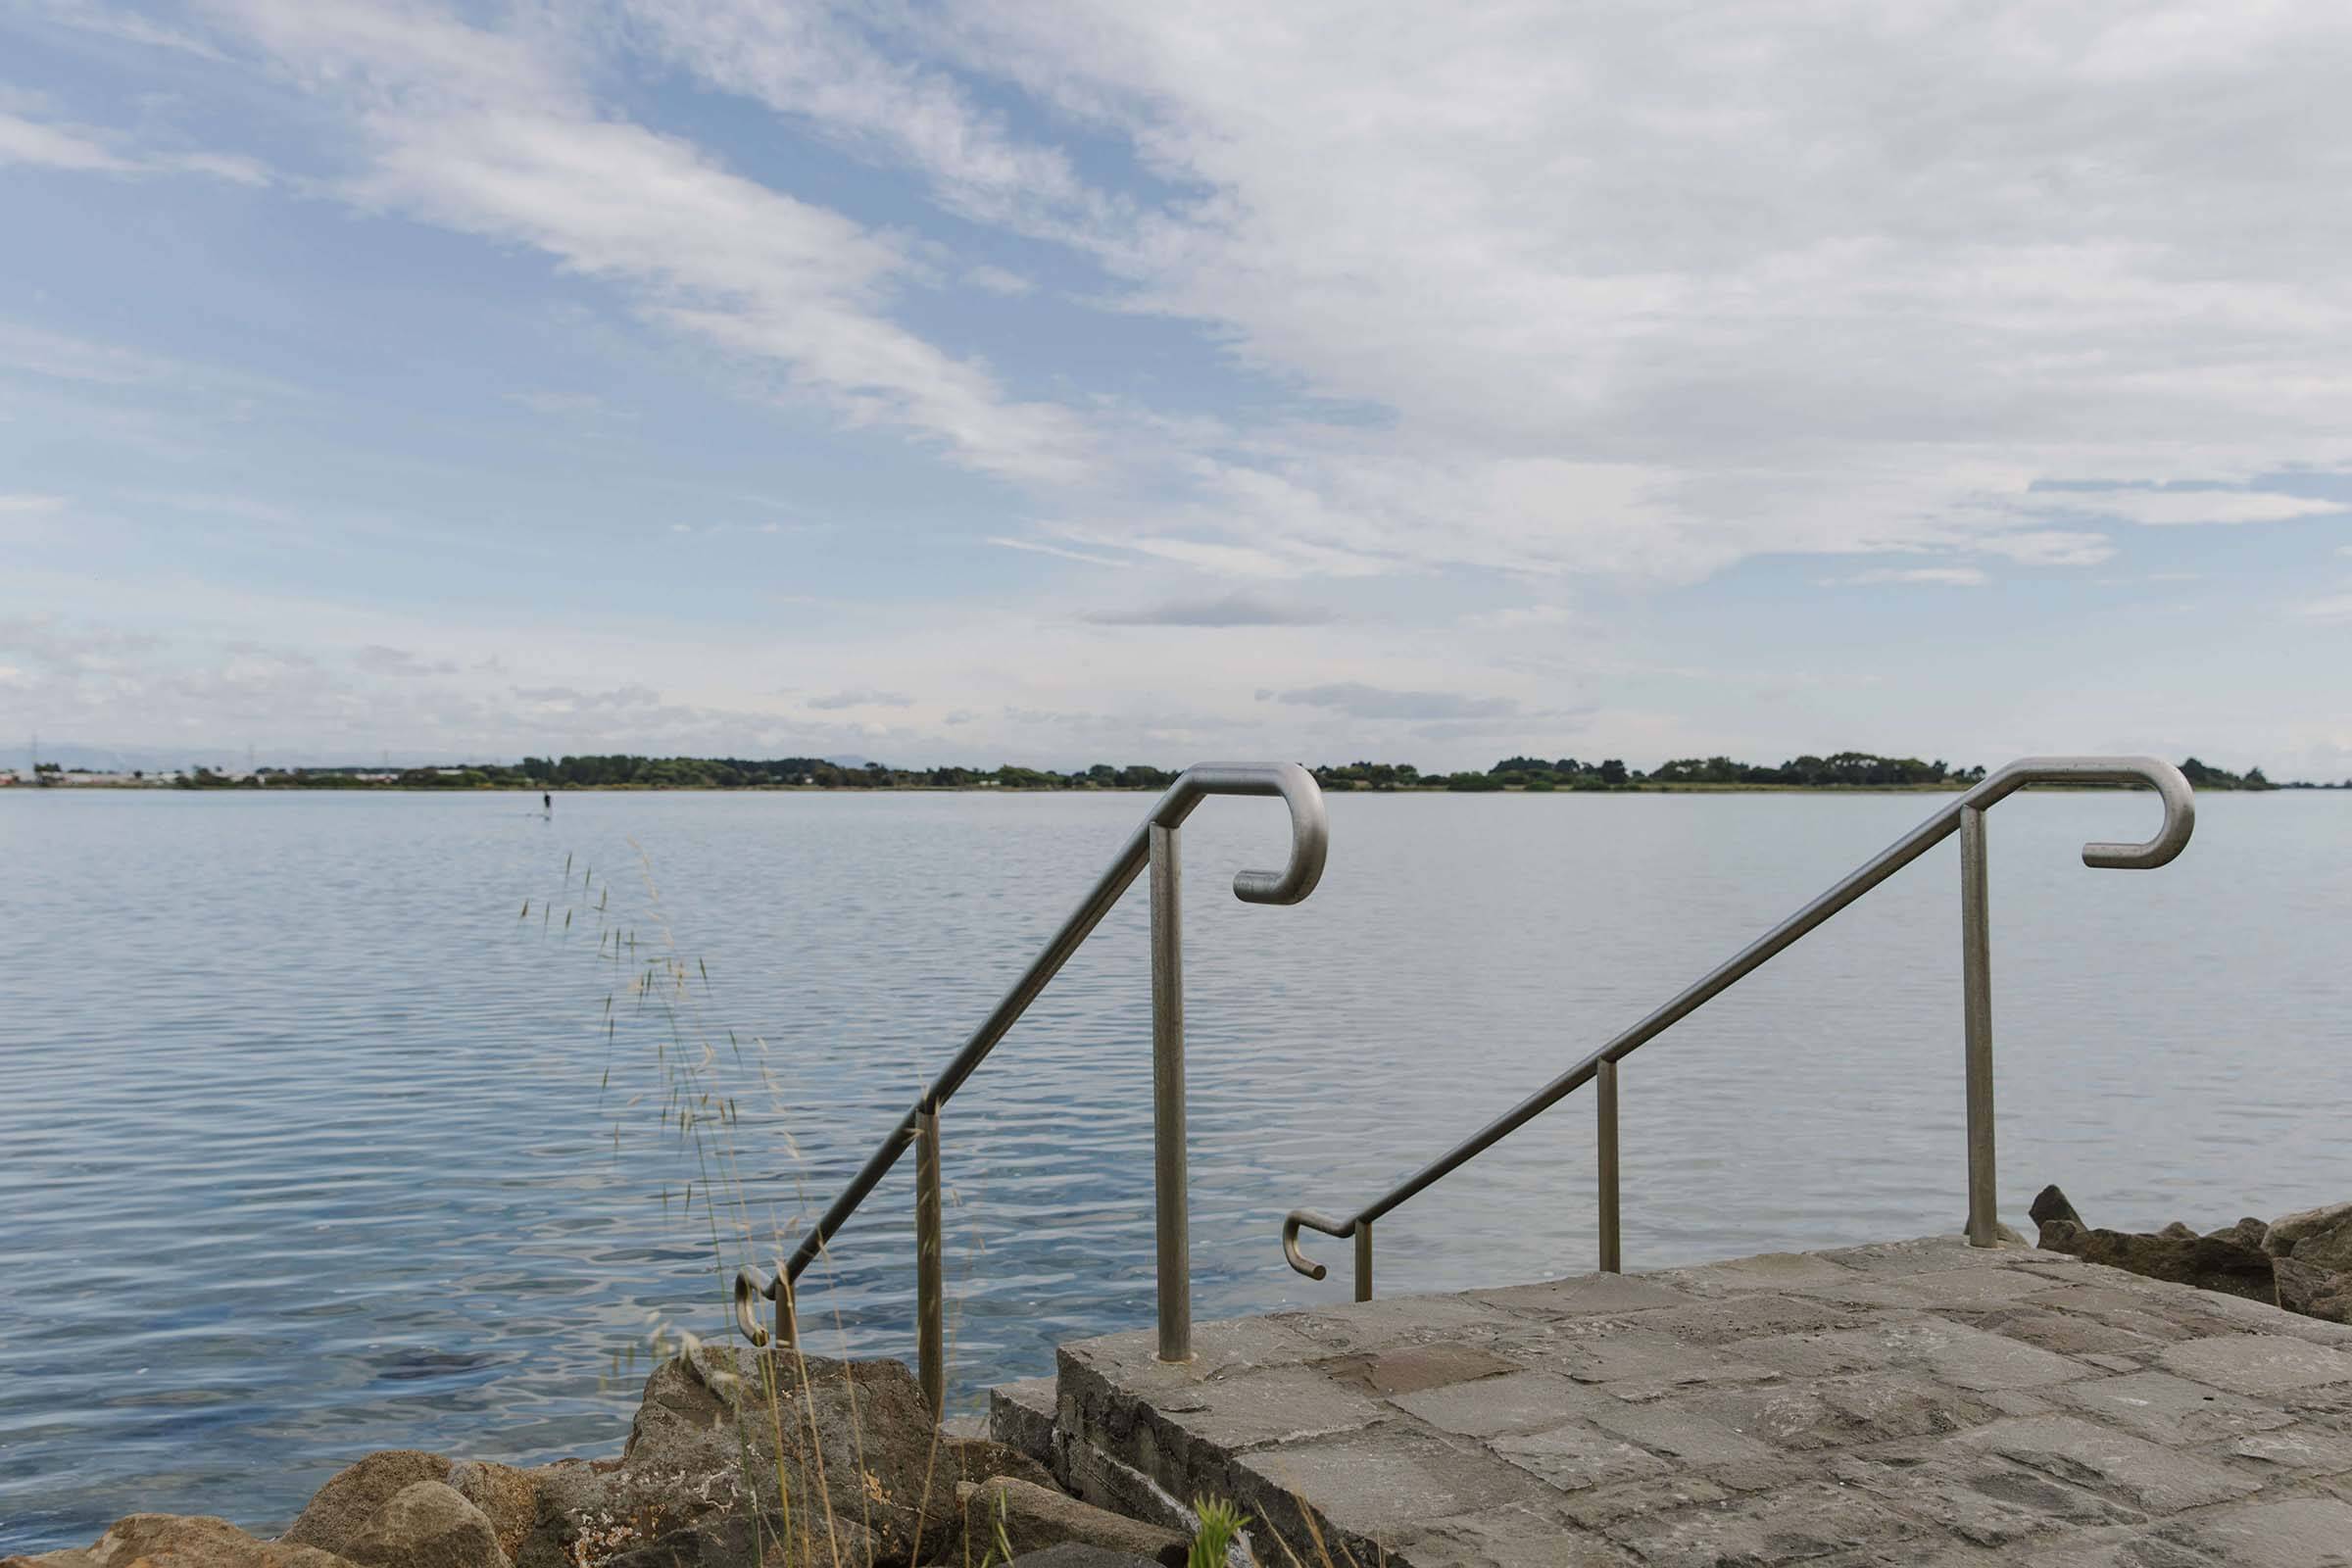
{"x": 1030, "y": 1518}
{"x": 2318, "y": 1237}
{"x": 508, "y": 1497}
{"x": 773, "y": 1459}
{"x": 2313, "y": 1292}
{"x": 2177, "y": 1254}
{"x": 353, "y": 1495}
{"x": 426, "y": 1525}
{"x": 180, "y": 1540}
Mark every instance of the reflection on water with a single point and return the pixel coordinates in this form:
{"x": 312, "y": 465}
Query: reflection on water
{"x": 314, "y": 1147}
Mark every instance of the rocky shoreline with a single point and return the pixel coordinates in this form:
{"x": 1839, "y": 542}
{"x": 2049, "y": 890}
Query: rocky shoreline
{"x": 2301, "y": 1261}
{"x": 735, "y": 1459}
{"x": 776, "y": 1459}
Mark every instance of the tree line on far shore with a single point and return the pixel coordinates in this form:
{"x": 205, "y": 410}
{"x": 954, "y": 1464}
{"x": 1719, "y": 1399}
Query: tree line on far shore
{"x": 1838, "y": 770}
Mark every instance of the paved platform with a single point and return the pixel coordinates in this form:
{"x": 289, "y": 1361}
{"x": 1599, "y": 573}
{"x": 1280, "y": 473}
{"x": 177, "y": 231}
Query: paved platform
{"x": 1918, "y": 1403}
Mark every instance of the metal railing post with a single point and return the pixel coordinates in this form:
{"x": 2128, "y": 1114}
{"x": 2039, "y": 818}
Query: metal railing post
{"x": 1605, "y": 1100}
{"x": 930, "y": 1287}
{"x": 1976, "y": 991}
{"x": 1363, "y": 1260}
{"x": 1167, "y": 1100}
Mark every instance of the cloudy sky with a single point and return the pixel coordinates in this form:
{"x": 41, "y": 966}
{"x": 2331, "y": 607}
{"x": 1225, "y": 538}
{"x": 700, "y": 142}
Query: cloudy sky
{"x": 1125, "y": 382}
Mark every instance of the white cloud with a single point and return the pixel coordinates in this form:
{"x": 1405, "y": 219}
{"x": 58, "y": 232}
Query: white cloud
{"x": 26, "y": 141}
{"x": 24, "y": 504}
{"x": 75, "y": 149}
{"x": 2049, "y": 548}
{"x": 493, "y": 134}
{"x": 1221, "y": 611}
{"x": 1842, "y": 278}
{"x": 862, "y": 697}
{"x": 1939, "y": 576}
{"x": 2334, "y": 610}
{"x": 999, "y": 280}
{"x": 1850, "y": 285}
{"x": 86, "y": 18}
{"x": 2187, "y": 508}
{"x": 36, "y": 352}
{"x": 1035, "y": 547}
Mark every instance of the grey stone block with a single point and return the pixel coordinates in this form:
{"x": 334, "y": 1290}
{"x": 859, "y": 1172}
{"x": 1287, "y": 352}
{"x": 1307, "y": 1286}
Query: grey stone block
{"x": 1507, "y": 1537}
{"x": 1766, "y": 1271}
{"x": 1520, "y": 1402}
{"x": 2163, "y": 1408}
{"x": 1970, "y": 1358}
{"x": 2320, "y": 1450}
{"x": 1801, "y": 1524}
{"x": 2256, "y": 1363}
{"x": 1638, "y": 1363}
{"x": 2294, "y": 1533}
{"x": 1020, "y": 1416}
{"x": 2156, "y": 1479}
{"x": 1983, "y": 1499}
{"x": 1399, "y": 1321}
{"x": 1576, "y": 1455}
{"x": 1374, "y": 1487}
{"x": 1842, "y": 1412}
{"x": 1747, "y": 1315}
{"x": 1582, "y": 1296}
{"x": 1414, "y": 1368}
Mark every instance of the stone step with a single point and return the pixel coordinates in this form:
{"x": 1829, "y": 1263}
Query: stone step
{"x": 1915, "y": 1402}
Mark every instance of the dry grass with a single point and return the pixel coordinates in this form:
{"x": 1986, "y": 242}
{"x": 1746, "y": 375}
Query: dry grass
{"x": 660, "y": 1019}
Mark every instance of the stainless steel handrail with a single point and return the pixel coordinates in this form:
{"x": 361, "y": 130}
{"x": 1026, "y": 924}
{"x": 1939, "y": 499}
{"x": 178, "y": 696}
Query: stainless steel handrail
{"x": 1153, "y": 844}
{"x": 1966, "y": 814}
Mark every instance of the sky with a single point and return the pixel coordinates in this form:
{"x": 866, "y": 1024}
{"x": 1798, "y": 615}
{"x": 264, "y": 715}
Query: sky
{"x": 1112, "y": 383}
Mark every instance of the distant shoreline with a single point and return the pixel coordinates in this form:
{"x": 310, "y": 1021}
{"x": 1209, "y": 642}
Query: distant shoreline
{"x": 1519, "y": 774}
{"x": 71, "y": 784}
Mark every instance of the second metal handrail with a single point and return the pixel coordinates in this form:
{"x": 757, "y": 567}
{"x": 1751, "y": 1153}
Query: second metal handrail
{"x": 1154, "y": 845}
{"x": 1965, "y": 815}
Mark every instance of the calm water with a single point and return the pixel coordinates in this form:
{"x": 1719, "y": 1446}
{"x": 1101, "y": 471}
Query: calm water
{"x": 309, "y": 1146}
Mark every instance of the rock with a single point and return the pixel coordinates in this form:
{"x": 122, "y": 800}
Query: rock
{"x": 2190, "y": 1260}
{"x": 2247, "y": 1232}
{"x": 2313, "y": 1292}
{"x": 2320, "y": 1237}
{"x": 1070, "y": 1554}
{"x": 426, "y": 1525}
{"x": 985, "y": 1458}
{"x": 180, "y": 1540}
{"x": 508, "y": 1497}
{"x": 2050, "y": 1206}
{"x": 772, "y": 1459}
{"x": 1022, "y": 1415}
{"x": 1036, "y": 1517}
{"x": 353, "y": 1493}
{"x": 2179, "y": 1231}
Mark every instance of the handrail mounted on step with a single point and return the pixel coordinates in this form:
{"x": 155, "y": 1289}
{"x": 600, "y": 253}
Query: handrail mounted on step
{"x": 1966, "y": 814}
{"x": 1152, "y": 844}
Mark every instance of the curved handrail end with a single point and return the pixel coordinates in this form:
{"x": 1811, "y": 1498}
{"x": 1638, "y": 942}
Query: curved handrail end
{"x": 1310, "y": 828}
{"x": 1314, "y": 1221}
{"x": 748, "y": 1287}
{"x": 2180, "y": 801}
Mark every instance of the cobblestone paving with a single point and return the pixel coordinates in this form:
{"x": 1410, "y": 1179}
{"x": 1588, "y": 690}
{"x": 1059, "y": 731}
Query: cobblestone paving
{"x": 1916, "y": 1403}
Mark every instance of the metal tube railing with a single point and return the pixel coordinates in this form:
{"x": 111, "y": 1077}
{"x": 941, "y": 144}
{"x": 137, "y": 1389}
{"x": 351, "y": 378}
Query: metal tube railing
{"x": 1152, "y": 844}
{"x": 1966, "y": 814}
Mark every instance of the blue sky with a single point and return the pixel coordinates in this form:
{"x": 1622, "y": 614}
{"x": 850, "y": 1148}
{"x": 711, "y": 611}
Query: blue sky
{"x": 1108, "y": 382}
